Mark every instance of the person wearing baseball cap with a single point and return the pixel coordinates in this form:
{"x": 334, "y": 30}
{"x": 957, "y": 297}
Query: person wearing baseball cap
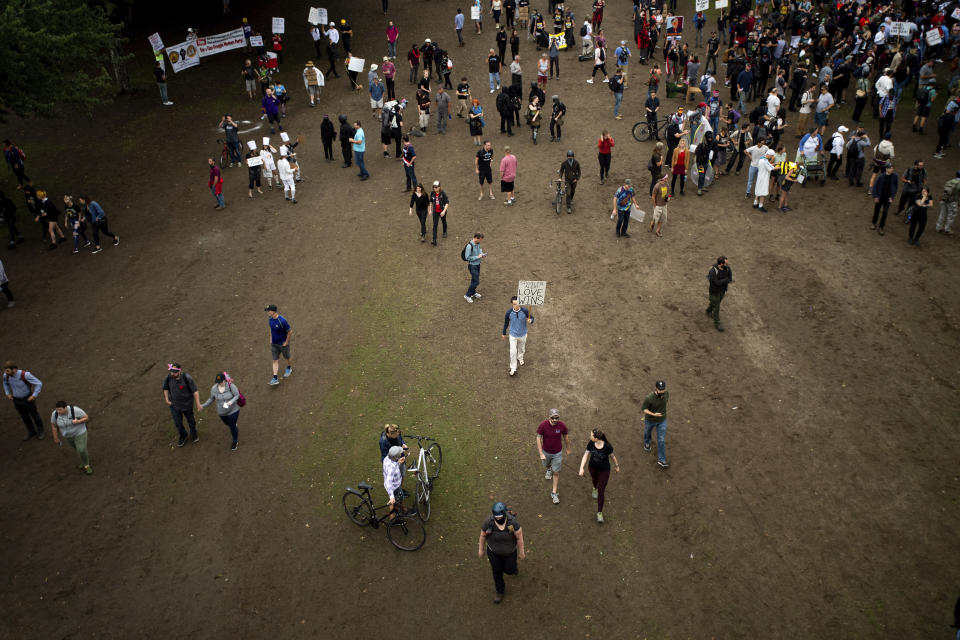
{"x": 654, "y": 410}
{"x": 551, "y": 442}
{"x": 280, "y": 333}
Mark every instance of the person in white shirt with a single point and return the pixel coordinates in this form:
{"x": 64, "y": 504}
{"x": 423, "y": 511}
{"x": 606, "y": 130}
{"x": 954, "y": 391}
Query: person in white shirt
{"x": 586, "y": 46}
{"x": 836, "y": 152}
{"x": 69, "y": 423}
{"x": 286, "y": 177}
{"x": 806, "y": 108}
{"x": 764, "y": 169}
{"x": 757, "y": 152}
{"x": 313, "y": 81}
{"x": 884, "y": 84}
{"x": 269, "y": 166}
{"x": 315, "y": 34}
{"x": 773, "y": 103}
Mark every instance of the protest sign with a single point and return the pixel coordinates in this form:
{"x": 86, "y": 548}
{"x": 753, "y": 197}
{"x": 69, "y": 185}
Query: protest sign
{"x": 314, "y": 16}
{"x": 156, "y": 42}
{"x": 221, "y": 42}
{"x": 278, "y": 25}
{"x": 255, "y": 161}
{"x": 356, "y": 64}
{"x": 256, "y": 41}
{"x": 183, "y": 56}
{"x": 702, "y": 5}
{"x": 897, "y": 29}
{"x": 559, "y": 38}
{"x": 323, "y": 15}
{"x": 933, "y": 37}
{"x": 956, "y": 14}
{"x": 721, "y": 4}
{"x": 674, "y": 27}
{"x": 474, "y": 12}
{"x": 794, "y": 42}
{"x": 531, "y": 292}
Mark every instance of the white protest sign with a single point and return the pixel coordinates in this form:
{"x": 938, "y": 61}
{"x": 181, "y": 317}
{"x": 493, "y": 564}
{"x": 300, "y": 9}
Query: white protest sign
{"x": 559, "y": 38}
{"x": 256, "y": 41}
{"x": 156, "y": 42}
{"x": 531, "y": 292}
{"x": 314, "y": 16}
{"x": 933, "y": 37}
{"x": 794, "y": 42}
{"x": 897, "y": 29}
{"x": 702, "y": 5}
{"x": 183, "y": 56}
{"x": 356, "y": 64}
{"x": 221, "y": 42}
{"x": 278, "y": 25}
{"x": 255, "y": 161}
{"x": 323, "y": 15}
{"x": 474, "y": 13}
{"x": 721, "y": 4}
{"x": 956, "y": 14}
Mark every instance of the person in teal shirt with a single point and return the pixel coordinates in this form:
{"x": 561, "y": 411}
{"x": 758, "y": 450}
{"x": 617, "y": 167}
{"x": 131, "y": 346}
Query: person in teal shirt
{"x": 359, "y": 146}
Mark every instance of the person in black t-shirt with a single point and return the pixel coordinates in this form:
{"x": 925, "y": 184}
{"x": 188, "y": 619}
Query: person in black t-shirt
{"x": 501, "y": 539}
{"x": 599, "y": 452}
{"x": 483, "y": 170}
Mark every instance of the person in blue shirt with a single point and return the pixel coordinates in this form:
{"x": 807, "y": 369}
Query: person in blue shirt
{"x": 23, "y": 388}
{"x": 376, "y": 97}
{"x": 516, "y": 320}
{"x": 359, "y": 143}
{"x": 280, "y": 332}
{"x": 390, "y": 437}
{"x": 744, "y": 86}
{"x": 473, "y": 254}
{"x": 98, "y": 220}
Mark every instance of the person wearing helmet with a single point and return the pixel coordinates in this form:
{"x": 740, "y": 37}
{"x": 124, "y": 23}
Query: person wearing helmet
{"x": 654, "y": 409}
{"x": 346, "y": 32}
{"x": 393, "y": 476}
{"x": 502, "y": 539}
{"x": 570, "y": 171}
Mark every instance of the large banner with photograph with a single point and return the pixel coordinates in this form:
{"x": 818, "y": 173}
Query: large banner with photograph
{"x": 183, "y": 56}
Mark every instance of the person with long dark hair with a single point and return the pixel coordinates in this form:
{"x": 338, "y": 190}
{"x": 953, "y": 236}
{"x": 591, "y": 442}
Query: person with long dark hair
{"x": 227, "y": 397}
{"x": 420, "y": 201}
{"x": 599, "y": 452}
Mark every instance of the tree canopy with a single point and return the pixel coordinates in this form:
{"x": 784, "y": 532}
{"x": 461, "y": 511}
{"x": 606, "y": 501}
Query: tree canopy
{"x": 54, "y": 53}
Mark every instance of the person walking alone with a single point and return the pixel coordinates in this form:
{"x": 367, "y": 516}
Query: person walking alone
{"x": 501, "y": 538}
{"x": 551, "y": 443}
{"x": 599, "y": 452}
{"x": 70, "y": 424}
{"x": 605, "y": 146}
{"x": 22, "y": 387}
{"x": 623, "y": 200}
{"x": 654, "y": 410}
{"x": 473, "y": 254}
{"x": 227, "y": 397}
{"x": 517, "y": 319}
{"x": 280, "y": 333}
{"x": 508, "y": 175}
{"x": 720, "y": 277}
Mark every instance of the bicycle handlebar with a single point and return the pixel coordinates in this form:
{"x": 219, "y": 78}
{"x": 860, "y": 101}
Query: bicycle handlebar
{"x": 419, "y": 438}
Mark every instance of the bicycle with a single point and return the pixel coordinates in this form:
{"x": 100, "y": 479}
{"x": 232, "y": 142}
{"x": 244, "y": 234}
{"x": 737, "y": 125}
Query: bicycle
{"x": 427, "y": 470}
{"x": 404, "y": 528}
{"x": 642, "y": 130}
{"x": 224, "y": 154}
{"x": 560, "y": 194}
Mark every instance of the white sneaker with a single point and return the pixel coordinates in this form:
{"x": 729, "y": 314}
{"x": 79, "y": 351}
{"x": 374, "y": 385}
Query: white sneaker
{"x": 513, "y": 372}
{"x": 548, "y": 474}
{"x": 491, "y": 90}
{"x": 480, "y": 197}
{"x": 520, "y": 361}
{"x": 556, "y": 498}
{"x": 590, "y": 81}
{"x": 606, "y": 79}
{"x": 168, "y": 104}
{"x": 468, "y": 299}
{"x": 477, "y": 295}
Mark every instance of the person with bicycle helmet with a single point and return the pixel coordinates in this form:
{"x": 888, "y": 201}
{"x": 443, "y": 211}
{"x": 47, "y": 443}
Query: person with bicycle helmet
{"x": 502, "y": 539}
{"x": 570, "y": 171}
{"x": 393, "y": 476}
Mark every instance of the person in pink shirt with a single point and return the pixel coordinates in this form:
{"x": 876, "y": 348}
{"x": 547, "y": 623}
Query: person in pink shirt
{"x": 389, "y": 73}
{"x": 392, "y": 34}
{"x": 508, "y": 175}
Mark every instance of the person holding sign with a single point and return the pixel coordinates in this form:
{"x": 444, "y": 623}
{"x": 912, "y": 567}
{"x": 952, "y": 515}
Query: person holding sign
{"x": 623, "y": 200}
{"x": 253, "y": 170}
{"x": 517, "y": 319}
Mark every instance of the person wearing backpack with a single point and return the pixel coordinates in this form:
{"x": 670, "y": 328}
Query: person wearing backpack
{"x": 69, "y": 423}
{"x": 623, "y": 200}
{"x": 616, "y": 86}
{"x": 473, "y": 254}
{"x": 23, "y": 388}
{"x": 229, "y": 400}
{"x": 15, "y": 156}
{"x": 925, "y": 97}
{"x": 948, "y": 205}
{"x": 623, "y": 59}
{"x": 599, "y": 62}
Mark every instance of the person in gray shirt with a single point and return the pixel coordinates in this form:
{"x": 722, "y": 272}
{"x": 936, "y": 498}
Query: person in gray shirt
{"x": 70, "y": 423}
{"x": 227, "y": 397}
{"x": 443, "y": 110}
{"x": 181, "y": 395}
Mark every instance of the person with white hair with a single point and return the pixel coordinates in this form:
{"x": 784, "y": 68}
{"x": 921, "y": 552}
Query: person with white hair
{"x": 393, "y": 476}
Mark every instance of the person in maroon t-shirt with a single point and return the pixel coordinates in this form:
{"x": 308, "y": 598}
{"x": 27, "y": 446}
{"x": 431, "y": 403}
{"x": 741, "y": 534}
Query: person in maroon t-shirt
{"x": 551, "y": 441}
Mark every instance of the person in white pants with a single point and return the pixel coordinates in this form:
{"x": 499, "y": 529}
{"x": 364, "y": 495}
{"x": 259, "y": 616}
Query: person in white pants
{"x": 516, "y": 321}
{"x": 285, "y": 168}
{"x": 269, "y": 166}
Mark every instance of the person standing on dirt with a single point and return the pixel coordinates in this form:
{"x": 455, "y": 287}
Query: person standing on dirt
{"x": 623, "y": 200}
{"x": 215, "y": 183}
{"x": 508, "y": 175}
{"x": 8, "y": 211}
{"x": 181, "y": 395}
{"x": 720, "y": 277}
{"x": 482, "y": 167}
{"x": 501, "y": 538}
{"x": 474, "y": 255}
{"x": 233, "y": 139}
{"x": 98, "y": 220}
{"x": 599, "y": 452}
{"x": 22, "y": 387}
{"x": 517, "y": 319}
{"x": 421, "y": 202}
{"x": 70, "y": 424}
{"x": 346, "y": 132}
{"x": 439, "y": 203}
{"x": 359, "y": 142}
{"x": 551, "y": 443}
{"x": 226, "y": 395}
{"x": 280, "y": 333}
{"x": 570, "y": 171}
{"x": 654, "y": 409}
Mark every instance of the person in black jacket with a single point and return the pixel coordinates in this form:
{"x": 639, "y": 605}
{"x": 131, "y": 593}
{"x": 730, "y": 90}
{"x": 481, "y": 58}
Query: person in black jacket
{"x": 883, "y": 192}
{"x": 327, "y": 136}
{"x": 720, "y": 276}
{"x": 346, "y": 132}
{"x": 570, "y": 171}
{"x": 8, "y": 210}
{"x": 505, "y": 109}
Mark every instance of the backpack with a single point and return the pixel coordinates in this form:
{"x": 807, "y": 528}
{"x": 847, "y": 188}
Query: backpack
{"x": 603, "y": 55}
{"x": 703, "y": 85}
{"x": 923, "y": 96}
{"x": 583, "y": 31}
{"x": 624, "y": 54}
{"x": 757, "y": 114}
{"x": 463, "y": 252}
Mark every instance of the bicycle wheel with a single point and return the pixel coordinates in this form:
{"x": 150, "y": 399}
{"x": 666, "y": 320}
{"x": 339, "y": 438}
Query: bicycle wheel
{"x": 223, "y": 158}
{"x": 432, "y": 460}
{"x": 423, "y": 498}
{"x": 357, "y": 509}
{"x": 641, "y": 132}
{"x": 407, "y": 533}
{"x": 558, "y": 201}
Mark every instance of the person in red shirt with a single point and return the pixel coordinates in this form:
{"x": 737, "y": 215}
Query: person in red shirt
{"x": 551, "y": 442}
{"x": 604, "y": 146}
{"x": 278, "y": 47}
{"x": 215, "y": 183}
{"x": 413, "y": 59}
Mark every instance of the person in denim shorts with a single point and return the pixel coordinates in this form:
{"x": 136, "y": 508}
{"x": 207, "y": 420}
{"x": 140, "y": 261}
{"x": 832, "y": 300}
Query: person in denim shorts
{"x": 551, "y": 442}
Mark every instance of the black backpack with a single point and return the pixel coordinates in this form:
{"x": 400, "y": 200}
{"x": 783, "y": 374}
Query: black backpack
{"x": 583, "y": 31}
{"x": 463, "y": 252}
{"x": 757, "y": 114}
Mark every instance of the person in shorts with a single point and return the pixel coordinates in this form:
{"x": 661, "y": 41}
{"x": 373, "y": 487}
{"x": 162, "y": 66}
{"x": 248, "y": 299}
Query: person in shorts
{"x": 660, "y": 197}
{"x": 551, "y": 441}
{"x": 483, "y": 168}
{"x": 788, "y": 175}
{"x": 280, "y": 332}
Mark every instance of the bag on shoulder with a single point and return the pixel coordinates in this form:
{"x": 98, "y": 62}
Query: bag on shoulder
{"x": 241, "y": 399}
{"x": 463, "y": 252}
{"x": 703, "y": 86}
{"x": 583, "y": 31}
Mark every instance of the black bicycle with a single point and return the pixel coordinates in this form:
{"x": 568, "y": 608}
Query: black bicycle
{"x": 404, "y": 528}
{"x": 642, "y": 131}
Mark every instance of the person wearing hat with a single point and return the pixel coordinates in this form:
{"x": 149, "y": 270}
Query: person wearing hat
{"x": 570, "y": 172}
{"x": 270, "y": 106}
{"x": 623, "y": 200}
{"x": 376, "y": 91}
{"x": 269, "y": 165}
{"x": 389, "y": 77}
{"x": 280, "y": 333}
{"x": 333, "y": 41}
{"x": 439, "y": 204}
{"x": 70, "y": 423}
{"x": 720, "y": 276}
{"x": 312, "y": 81}
{"x": 517, "y": 319}
{"x": 392, "y": 465}
{"x": 227, "y": 397}
{"x": 836, "y": 152}
{"x": 346, "y": 33}
{"x": 285, "y": 170}
{"x": 501, "y": 539}
{"x": 556, "y": 119}
{"x": 181, "y": 395}
{"x": 654, "y": 409}
{"x": 254, "y": 172}
{"x": 551, "y": 443}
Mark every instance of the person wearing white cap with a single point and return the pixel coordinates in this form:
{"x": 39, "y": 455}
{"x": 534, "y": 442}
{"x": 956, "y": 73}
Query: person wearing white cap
{"x": 287, "y": 149}
{"x": 333, "y": 42}
{"x": 551, "y": 441}
{"x": 392, "y": 475}
{"x": 762, "y": 189}
{"x": 371, "y": 75}
{"x": 269, "y": 166}
{"x": 836, "y": 152}
{"x": 285, "y": 170}
{"x": 253, "y": 172}
{"x": 312, "y": 81}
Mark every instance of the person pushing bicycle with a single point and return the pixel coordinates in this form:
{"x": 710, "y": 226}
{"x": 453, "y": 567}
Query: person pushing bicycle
{"x": 393, "y": 477}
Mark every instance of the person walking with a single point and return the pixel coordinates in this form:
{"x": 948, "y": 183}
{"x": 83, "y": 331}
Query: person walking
{"x": 623, "y": 200}
{"x": 720, "y": 277}
{"x": 458, "y": 26}
{"x": 68, "y": 422}
{"x": 599, "y": 62}
{"x": 474, "y": 255}
{"x": 551, "y": 443}
{"x": 15, "y": 157}
{"x": 494, "y": 64}
{"x": 534, "y": 117}
{"x": 75, "y": 222}
{"x": 181, "y": 395}
{"x": 476, "y": 121}
{"x": 599, "y": 452}
{"x": 508, "y": 175}
{"x": 884, "y": 191}
{"x": 215, "y": 184}
{"x": 420, "y": 201}
{"x": 160, "y": 76}
{"x": 5, "y": 287}
{"x": 660, "y": 196}
{"x": 327, "y": 136}
{"x": 504, "y": 108}
{"x": 439, "y": 204}
{"x": 655, "y": 165}
{"x": 443, "y": 110}
{"x": 501, "y": 539}
{"x": 679, "y": 165}
{"x": 948, "y": 205}
{"x": 918, "y": 216}
{"x": 8, "y": 211}
{"x": 517, "y": 319}
{"x": 280, "y": 332}
{"x": 556, "y": 119}
{"x": 312, "y": 82}
{"x": 605, "y": 146}
{"x": 392, "y": 35}
{"x": 22, "y": 387}
{"x": 253, "y": 171}
{"x": 98, "y": 221}
{"x": 285, "y": 169}
{"x": 482, "y": 167}
{"x": 409, "y": 159}
{"x": 227, "y": 397}
{"x": 358, "y": 140}
{"x": 654, "y": 409}
{"x": 570, "y": 172}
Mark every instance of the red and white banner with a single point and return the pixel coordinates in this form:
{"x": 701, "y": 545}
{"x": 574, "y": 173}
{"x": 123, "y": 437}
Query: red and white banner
{"x": 209, "y": 45}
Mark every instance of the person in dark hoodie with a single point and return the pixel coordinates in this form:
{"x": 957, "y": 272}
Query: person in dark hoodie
{"x": 327, "y": 136}
{"x": 346, "y": 132}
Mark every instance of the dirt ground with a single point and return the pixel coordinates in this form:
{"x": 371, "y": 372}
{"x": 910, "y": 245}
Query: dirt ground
{"x": 813, "y": 490}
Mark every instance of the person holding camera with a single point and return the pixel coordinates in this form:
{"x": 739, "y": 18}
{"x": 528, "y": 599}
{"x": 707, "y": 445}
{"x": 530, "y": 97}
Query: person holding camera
{"x": 71, "y": 423}
{"x": 233, "y": 139}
